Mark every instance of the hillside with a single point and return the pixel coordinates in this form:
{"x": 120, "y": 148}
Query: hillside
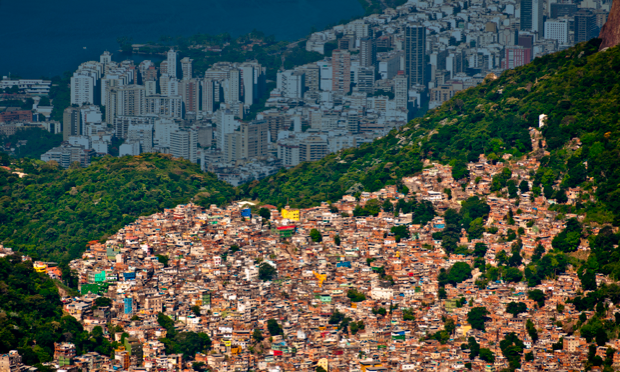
{"x": 53, "y": 213}
{"x": 577, "y": 88}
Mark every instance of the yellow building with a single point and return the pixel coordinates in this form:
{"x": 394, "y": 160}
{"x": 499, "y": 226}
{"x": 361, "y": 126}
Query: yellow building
{"x": 40, "y": 267}
{"x": 290, "y": 214}
{"x": 323, "y": 363}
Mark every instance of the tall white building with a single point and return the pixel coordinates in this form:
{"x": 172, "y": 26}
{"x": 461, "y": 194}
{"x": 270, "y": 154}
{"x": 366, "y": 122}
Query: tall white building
{"x": 400, "y": 91}
{"x": 557, "y": 30}
{"x": 171, "y": 63}
{"x": 208, "y": 95}
{"x": 232, "y": 89}
{"x": 163, "y": 130}
{"x": 325, "y": 68}
{"x": 183, "y": 144}
{"x": 186, "y": 67}
{"x": 291, "y": 83}
{"x": 168, "y": 107}
{"x": 226, "y": 124}
{"x": 82, "y": 89}
{"x": 142, "y": 134}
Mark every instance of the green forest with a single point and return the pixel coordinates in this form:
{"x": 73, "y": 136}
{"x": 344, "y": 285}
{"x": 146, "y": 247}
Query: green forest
{"x": 52, "y": 213}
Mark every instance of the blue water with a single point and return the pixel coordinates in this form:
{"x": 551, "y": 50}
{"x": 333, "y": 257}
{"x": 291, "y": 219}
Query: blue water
{"x": 45, "y": 38}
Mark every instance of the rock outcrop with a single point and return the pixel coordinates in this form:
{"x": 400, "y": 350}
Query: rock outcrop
{"x": 610, "y": 33}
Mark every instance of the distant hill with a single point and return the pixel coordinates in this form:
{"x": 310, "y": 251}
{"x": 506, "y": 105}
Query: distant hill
{"x": 577, "y": 89}
{"x": 53, "y": 213}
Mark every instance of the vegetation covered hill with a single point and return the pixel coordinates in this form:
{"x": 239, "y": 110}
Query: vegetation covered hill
{"x": 53, "y": 213}
{"x": 577, "y": 88}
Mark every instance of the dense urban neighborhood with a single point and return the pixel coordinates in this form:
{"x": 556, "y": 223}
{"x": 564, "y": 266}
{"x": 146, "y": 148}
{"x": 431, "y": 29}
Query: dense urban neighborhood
{"x": 432, "y": 274}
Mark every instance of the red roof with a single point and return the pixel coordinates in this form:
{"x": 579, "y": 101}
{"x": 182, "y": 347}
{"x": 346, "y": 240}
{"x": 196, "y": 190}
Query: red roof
{"x": 289, "y": 227}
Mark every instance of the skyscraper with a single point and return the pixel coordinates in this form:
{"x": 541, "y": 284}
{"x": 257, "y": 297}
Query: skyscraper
{"x": 190, "y": 90}
{"x": 368, "y": 52}
{"x": 172, "y": 63}
{"x": 208, "y": 95}
{"x": 341, "y": 71}
{"x": 532, "y": 16}
{"x": 585, "y": 25}
{"x": 415, "y": 54}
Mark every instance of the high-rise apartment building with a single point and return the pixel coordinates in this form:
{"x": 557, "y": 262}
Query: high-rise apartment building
{"x": 368, "y": 51}
{"x": 366, "y": 79}
{"x": 415, "y": 54}
{"x": 312, "y": 149}
{"x": 190, "y": 91}
{"x": 183, "y": 144}
{"x": 82, "y": 89}
{"x": 208, "y": 95}
{"x": 341, "y": 71}
{"x": 400, "y": 90}
{"x": 186, "y": 68}
{"x": 171, "y": 65}
{"x": 233, "y": 88}
{"x": 168, "y": 107}
{"x": 71, "y": 123}
{"x": 291, "y": 83}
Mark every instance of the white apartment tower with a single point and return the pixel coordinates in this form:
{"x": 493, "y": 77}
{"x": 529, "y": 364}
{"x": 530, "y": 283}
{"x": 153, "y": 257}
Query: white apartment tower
{"x": 172, "y": 63}
{"x": 183, "y": 144}
{"x": 186, "y": 67}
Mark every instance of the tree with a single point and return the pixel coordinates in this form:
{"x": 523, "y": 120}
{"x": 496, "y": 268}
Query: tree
{"x": 356, "y": 296}
{"x": 388, "y": 206}
{"x": 337, "y": 240}
{"x": 102, "y": 302}
{"x": 316, "y": 236}
{"x": 516, "y": 308}
{"x": 274, "y": 328}
{"x": 487, "y": 355}
{"x": 257, "y": 335}
{"x": 458, "y": 273}
{"x": 264, "y": 213}
{"x": 477, "y": 316}
{"x": 538, "y": 296}
{"x": 524, "y": 186}
{"x": 480, "y": 250}
{"x": 531, "y": 330}
{"x": 266, "y": 271}
{"x": 401, "y": 232}
{"x": 196, "y": 310}
{"x": 320, "y": 369}
{"x": 163, "y": 259}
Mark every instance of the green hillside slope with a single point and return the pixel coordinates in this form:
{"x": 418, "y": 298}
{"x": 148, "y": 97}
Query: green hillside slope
{"x": 578, "y": 89}
{"x": 53, "y": 213}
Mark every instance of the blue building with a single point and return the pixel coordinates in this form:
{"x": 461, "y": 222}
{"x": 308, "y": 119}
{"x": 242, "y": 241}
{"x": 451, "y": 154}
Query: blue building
{"x": 128, "y": 305}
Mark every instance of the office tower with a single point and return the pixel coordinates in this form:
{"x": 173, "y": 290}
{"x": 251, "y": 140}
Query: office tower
{"x": 368, "y": 52}
{"x": 415, "y": 54}
{"x": 190, "y": 91}
{"x": 186, "y": 67}
{"x": 366, "y": 79}
{"x": 400, "y": 90}
{"x": 516, "y": 56}
{"x": 71, "y": 123}
{"x": 232, "y": 89}
{"x": 562, "y": 10}
{"x": 291, "y": 83}
{"x": 183, "y": 144}
{"x": 171, "y": 64}
{"x": 585, "y": 25}
{"x": 341, "y": 71}
{"x": 557, "y": 30}
{"x": 532, "y": 16}
{"x": 353, "y": 121}
{"x": 208, "y": 98}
